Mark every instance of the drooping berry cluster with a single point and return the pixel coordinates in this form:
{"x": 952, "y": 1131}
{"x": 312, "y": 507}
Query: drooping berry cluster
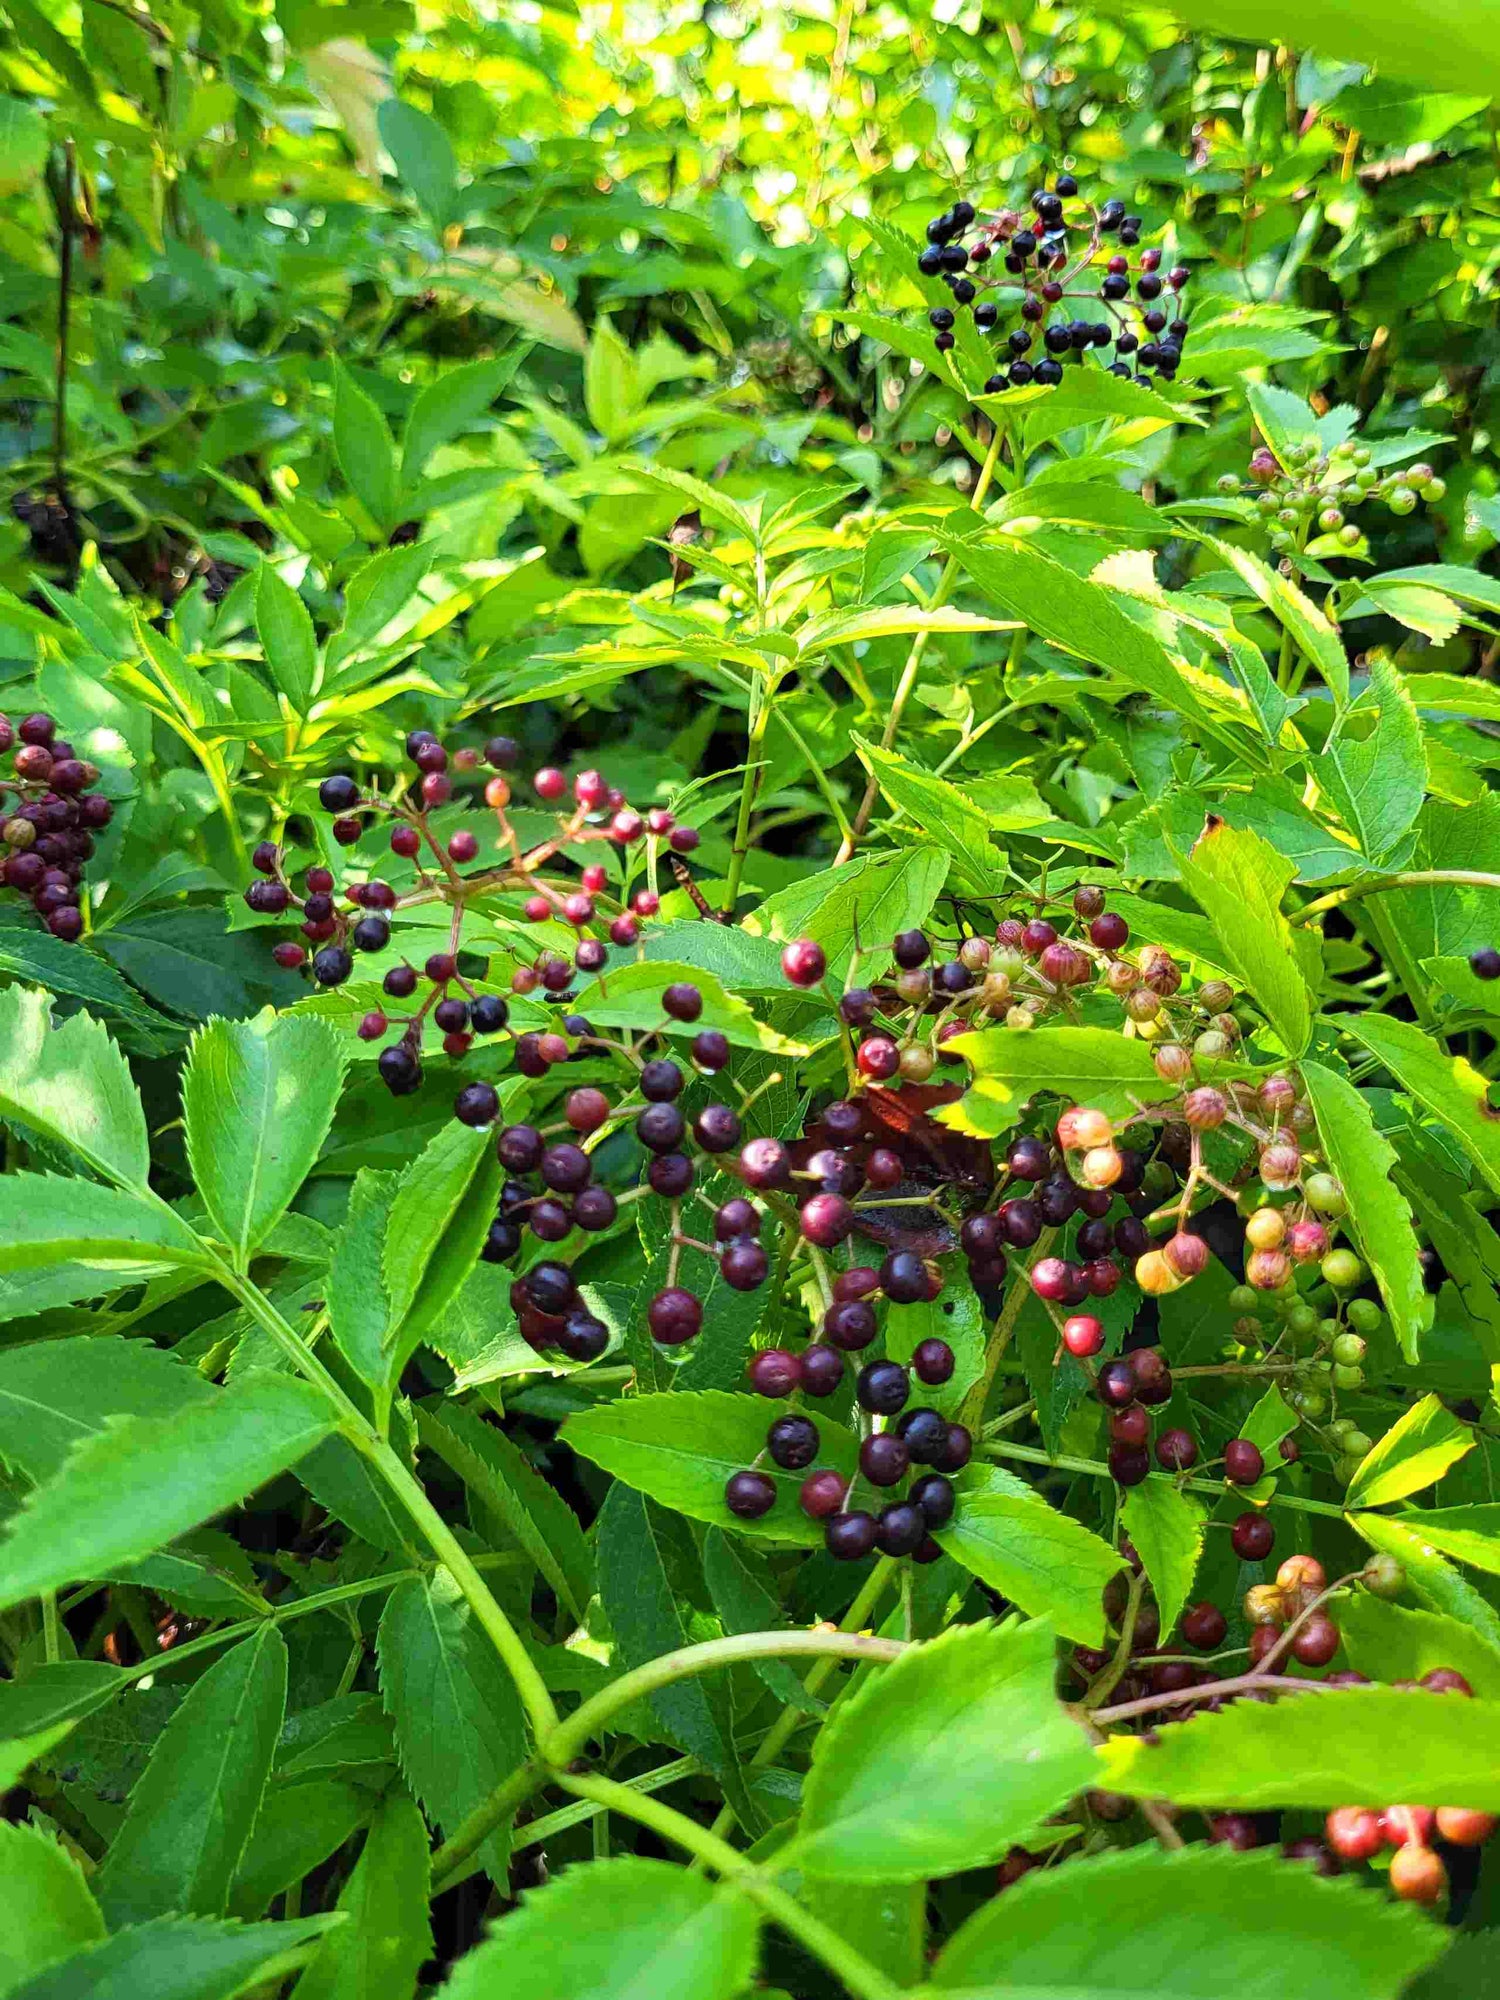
{"x": 1306, "y": 488}
{"x": 339, "y": 924}
{"x": 887, "y": 1456}
{"x": 1018, "y": 271}
{"x": 1289, "y": 1619}
{"x": 48, "y": 819}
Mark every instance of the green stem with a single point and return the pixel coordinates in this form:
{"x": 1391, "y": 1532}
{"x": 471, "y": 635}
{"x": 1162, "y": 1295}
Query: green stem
{"x": 1030, "y": 1455}
{"x": 448, "y": 1863}
{"x": 860, "y": 1977}
{"x": 451, "y": 1866}
{"x": 1411, "y": 878}
{"x": 571, "y": 1737}
{"x": 972, "y": 1413}
{"x": 51, "y": 1630}
{"x": 942, "y": 591}
{"x": 407, "y": 1489}
{"x": 761, "y": 699}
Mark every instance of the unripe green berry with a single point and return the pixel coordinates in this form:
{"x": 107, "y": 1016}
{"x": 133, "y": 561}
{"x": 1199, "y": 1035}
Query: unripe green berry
{"x": 1358, "y": 1444}
{"x": 1308, "y": 1402}
{"x": 1348, "y": 1378}
{"x": 1350, "y": 536}
{"x": 1360, "y": 453}
{"x": 1401, "y": 500}
{"x": 1325, "y": 1195}
{"x": 1242, "y": 1299}
{"x": 1302, "y": 1320}
{"x": 1363, "y": 1315}
{"x": 1384, "y": 1575}
{"x": 1436, "y": 490}
{"x": 1349, "y": 1350}
{"x": 1345, "y": 1468}
{"x": 1342, "y": 1269}
{"x": 1227, "y": 483}
{"x": 1329, "y": 519}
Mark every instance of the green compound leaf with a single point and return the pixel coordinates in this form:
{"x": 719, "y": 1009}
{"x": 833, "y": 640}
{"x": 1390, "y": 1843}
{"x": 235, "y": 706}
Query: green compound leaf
{"x": 1187, "y": 1925}
{"x": 1395, "y": 1642}
{"x": 1239, "y": 881}
{"x": 1004, "y": 1533}
{"x": 1446, "y": 1085}
{"x": 1431, "y": 1577}
{"x": 144, "y": 1480}
{"x": 1166, "y": 1525}
{"x": 631, "y": 997}
{"x": 873, "y": 896}
{"x": 71, "y": 1084}
{"x": 1469, "y": 1534}
{"x": 454, "y": 1708}
{"x": 55, "y": 1394}
{"x": 1324, "y": 1749}
{"x": 193, "y": 1807}
{"x": 681, "y": 1447}
{"x": 49, "y": 1911}
{"x": 258, "y": 1097}
{"x": 1380, "y": 1217}
{"x": 179, "y": 1958}
{"x": 875, "y": 1805}
{"x": 617, "y": 1930}
{"x": 1095, "y": 1066}
{"x": 1415, "y": 1452}
{"x": 377, "y": 1953}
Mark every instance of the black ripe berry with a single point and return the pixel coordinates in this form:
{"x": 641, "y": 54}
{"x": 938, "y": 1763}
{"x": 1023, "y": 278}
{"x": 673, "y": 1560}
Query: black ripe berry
{"x": 900, "y": 1528}
{"x": 1204, "y": 1626}
{"x": 400, "y": 1071}
{"x": 850, "y": 1537}
{"x": 476, "y": 1104}
{"x": 748, "y": 1495}
{"x": 682, "y": 1001}
{"x": 882, "y": 1387}
{"x": 850, "y": 1324}
{"x": 932, "y": 1362}
{"x": 1115, "y": 1385}
{"x": 338, "y": 794}
{"x": 934, "y": 1495}
{"x": 903, "y": 1278}
{"x": 1485, "y": 963}
{"x": 370, "y": 934}
{"x": 793, "y": 1442}
{"x": 744, "y": 1265}
{"x": 332, "y": 965}
{"x": 925, "y": 1435}
{"x": 488, "y": 1014}
{"x": 884, "y": 1459}
{"x": 822, "y": 1369}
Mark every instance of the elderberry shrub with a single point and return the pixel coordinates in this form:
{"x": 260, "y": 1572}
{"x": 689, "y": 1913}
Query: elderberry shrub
{"x": 49, "y": 815}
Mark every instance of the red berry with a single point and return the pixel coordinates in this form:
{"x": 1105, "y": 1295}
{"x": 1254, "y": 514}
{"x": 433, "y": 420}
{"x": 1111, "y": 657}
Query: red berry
{"x": 1243, "y": 1462}
{"x": 675, "y": 1316}
{"x": 822, "y": 1494}
{"x": 1109, "y": 931}
{"x": 825, "y": 1220}
{"x": 550, "y": 783}
{"x": 803, "y": 962}
{"x": 1252, "y": 1537}
{"x": 878, "y": 1058}
{"x": 1083, "y": 1335}
{"x": 774, "y": 1371}
{"x": 1354, "y": 1832}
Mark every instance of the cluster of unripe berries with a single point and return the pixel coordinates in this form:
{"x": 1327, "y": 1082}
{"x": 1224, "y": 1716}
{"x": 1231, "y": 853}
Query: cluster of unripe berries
{"x": 531, "y": 880}
{"x": 1016, "y": 271}
{"x": 48, "y": 819}
{"x": 1318, "y": 488}
{"x": 921, "y": 1445}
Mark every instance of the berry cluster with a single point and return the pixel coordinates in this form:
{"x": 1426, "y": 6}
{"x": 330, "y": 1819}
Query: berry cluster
{"x": 1016, "y": 271}
{"x": 1288, "y": 1621}
{"x": 1319, "y": 488}
{"x": 50, "y": 819}
{"x": 887, "y": 1456}
{"x": 339, "y": 924}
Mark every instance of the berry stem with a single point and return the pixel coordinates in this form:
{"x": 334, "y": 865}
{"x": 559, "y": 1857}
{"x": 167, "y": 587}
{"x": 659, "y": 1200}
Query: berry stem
{"x": 1001, "y": 1334}
{"x": 1109, "y": 1679}
{"x": 1031, "y": 1455}
{"x": 864, "y": 1980}
{"x": 941, "y": 592}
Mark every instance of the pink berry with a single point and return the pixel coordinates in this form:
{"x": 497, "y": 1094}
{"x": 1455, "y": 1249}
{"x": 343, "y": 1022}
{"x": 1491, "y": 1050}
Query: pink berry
{"x": 590, "y": 790}
{"x": 550, "y": 783}
{"x": 803, "y": 962}
{"x": 1083, "y": 1335}
{"x": 595, "y": 879}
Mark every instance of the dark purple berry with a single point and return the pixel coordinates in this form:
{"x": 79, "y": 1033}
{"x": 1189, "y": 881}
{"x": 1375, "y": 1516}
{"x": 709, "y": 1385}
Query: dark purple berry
{"x": 748, "y": 1495}
{"x": 793, "y": 1442}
